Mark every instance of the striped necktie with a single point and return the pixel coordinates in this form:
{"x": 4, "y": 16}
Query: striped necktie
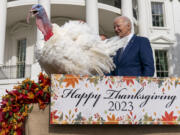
{"x": 120, "y": 52}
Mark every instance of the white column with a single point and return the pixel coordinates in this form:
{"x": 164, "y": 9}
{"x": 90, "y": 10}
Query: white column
{"x": 142, "y": 24}
{"x": 3, "y": 14}
{"x": 127, "y": 10}
{"x": 92, "y": 17}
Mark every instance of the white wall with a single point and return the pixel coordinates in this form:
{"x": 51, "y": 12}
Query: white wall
{"x": 167, "y": 37}
{"x": 176, "y": 48}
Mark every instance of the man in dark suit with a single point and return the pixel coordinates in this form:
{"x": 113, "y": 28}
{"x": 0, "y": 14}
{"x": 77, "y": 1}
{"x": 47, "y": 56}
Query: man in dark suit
{"x": 136, "y": 57}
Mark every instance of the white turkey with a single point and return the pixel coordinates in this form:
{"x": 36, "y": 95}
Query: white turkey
{"x": 72, "y": 48}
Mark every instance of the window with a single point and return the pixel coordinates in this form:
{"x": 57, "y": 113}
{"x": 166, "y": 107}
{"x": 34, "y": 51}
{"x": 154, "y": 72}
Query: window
{"x": 161, "y": 63}
{"x": 21, "y": 57}
{"x": 135, "y": 9}
{"x": 157, "y": 14}
{"x": 117, "y": 3}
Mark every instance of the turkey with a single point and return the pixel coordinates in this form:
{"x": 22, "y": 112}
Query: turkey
{"x": 72, "y": 48}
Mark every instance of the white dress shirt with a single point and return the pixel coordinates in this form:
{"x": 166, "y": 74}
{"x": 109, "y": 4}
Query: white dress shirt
{"x": 129, "y": 38}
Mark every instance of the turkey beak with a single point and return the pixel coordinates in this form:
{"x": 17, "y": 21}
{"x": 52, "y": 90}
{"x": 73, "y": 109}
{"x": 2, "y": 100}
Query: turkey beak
{"x": 34, "y": 12}
{"x": 31, "y": 13}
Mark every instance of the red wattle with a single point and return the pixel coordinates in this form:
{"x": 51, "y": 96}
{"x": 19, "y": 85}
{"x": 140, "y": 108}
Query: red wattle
{"x": 48, "y": 36}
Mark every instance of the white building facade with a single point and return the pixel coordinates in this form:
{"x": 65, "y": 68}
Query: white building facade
{"x": 159, "y": 20}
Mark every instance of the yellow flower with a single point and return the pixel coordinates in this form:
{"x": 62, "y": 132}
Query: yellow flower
{"x": 27, "y": 80}
{"x": 14, "y": 121}
{"x": 24, "y": 114}
{"x": 46, "y": 88}
{"x": 6, "y": 109}
{"x": 30, "y": 95}
{"x": 15, "y": 115}
{"x": 6, "y": 96}
{"x": 20, "y": 124}
{"x": 26, "y": 108}
{"x": 36, "y": 89}
{"x": 3, "y": 124}
{"x": 17, "y": 87}
{"x": 3, "y": 132}
{"x": 14, "y": 127}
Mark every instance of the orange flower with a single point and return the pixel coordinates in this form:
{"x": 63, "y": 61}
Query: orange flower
{"x": 169, "y": 118}
{"x": 4, "y": 125}
{"x": 26, "y": 81}
{"x": 6, "y": 109}
{"x": 46, "y": 88}
{"x": 30, "y": 95}
{"x": 128, "y": 80}
{"x": 71, "y": 80}
{"x": 42, "y": 105}
{"x": 3, "y": 132}
{"x": 112, "y": 120}
{"x": 24, "y": 114}
{"x": 17, "y": 87}
{"x": 43, "y": 80}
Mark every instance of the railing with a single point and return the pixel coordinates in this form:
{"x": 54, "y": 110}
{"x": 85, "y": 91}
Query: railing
{"x": 15, "y": 71}
{"x": 116, "y": 3}
{"x": 11, "y": 0}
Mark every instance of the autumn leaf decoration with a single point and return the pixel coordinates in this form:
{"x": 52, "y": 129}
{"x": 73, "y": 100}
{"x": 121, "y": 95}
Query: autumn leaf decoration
{"x": 169, "y": 118}
{"x": 112, "y": 119}
{"x": 128, "y": 80}
{"x": 71, "y": 80}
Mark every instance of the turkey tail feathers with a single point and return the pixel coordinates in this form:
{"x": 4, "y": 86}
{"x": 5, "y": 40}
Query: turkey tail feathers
{"x": 101, "y": 61}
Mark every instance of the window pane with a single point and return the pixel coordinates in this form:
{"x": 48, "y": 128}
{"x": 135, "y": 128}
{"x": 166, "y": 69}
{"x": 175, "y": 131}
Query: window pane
{"x": 166, "y": 73}
{"x": 158, "y": 67}
{"x": 161, "y": 63}
{"x": 21, "y": 57}
{"x": 157, "y": 14}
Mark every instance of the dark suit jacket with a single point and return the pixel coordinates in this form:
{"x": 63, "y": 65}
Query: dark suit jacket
{"x": 136, "y": 59}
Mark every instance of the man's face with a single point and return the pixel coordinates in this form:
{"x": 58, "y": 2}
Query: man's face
{"x": 121, "y": 27}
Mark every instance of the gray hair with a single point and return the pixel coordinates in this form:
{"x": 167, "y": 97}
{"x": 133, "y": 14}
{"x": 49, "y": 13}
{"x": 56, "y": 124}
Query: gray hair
{"x": 125, "y": 19}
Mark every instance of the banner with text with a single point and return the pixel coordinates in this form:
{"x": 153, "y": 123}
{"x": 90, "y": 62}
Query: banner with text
{"x": 114, "y": 100}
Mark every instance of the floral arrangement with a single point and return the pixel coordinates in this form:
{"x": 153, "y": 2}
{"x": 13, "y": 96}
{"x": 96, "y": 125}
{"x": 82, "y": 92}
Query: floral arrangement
{"x": 15, "y": 105}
